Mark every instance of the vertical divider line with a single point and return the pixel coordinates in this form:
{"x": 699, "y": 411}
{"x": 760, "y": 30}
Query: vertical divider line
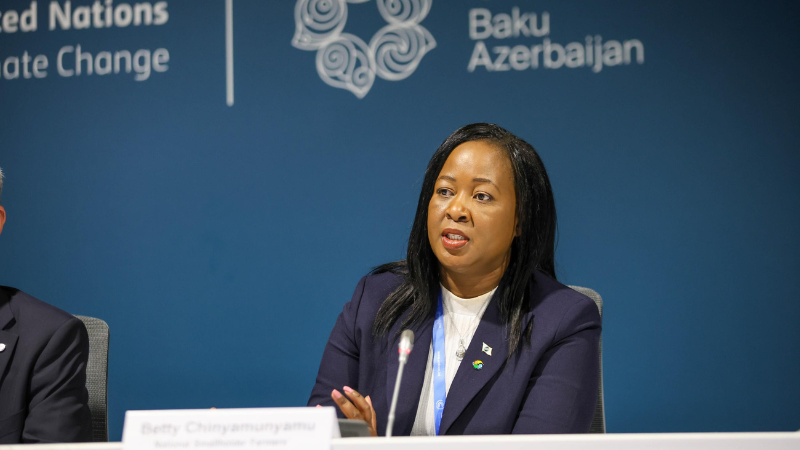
{"x": 229, "y": 51}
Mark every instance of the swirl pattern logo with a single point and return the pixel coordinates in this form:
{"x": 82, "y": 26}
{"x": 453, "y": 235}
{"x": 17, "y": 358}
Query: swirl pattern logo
{"x": 344, "y": 60}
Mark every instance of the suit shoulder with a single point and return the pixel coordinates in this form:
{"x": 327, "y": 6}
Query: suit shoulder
{"x": 378, "y": 286}
{"x": 551, "y": 297}
{"x": 30, "y": 312}
{"x": 559, "y": 310}
{"x": 369, "y": 294}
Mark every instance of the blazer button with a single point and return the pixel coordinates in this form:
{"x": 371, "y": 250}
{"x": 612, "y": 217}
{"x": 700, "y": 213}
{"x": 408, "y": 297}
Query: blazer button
{"x": 2, "y": 347}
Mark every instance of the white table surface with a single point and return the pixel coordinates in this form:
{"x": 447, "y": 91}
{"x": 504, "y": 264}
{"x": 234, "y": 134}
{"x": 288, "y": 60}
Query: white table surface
{"x": 654, "y": 441}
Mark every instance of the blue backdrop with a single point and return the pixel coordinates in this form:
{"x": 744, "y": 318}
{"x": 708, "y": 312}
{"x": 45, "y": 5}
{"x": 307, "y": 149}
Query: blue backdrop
{"x": 220, "y": 242}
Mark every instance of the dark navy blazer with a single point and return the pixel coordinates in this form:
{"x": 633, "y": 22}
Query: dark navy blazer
{"x": 43, "y": 395}
{"x": 548, "y": 386}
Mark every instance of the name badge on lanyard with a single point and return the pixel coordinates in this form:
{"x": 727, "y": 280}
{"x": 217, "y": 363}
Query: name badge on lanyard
{"x": 439, "y": 383}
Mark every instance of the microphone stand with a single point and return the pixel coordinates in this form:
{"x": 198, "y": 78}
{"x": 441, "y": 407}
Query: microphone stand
{"x": 406, "y": 343}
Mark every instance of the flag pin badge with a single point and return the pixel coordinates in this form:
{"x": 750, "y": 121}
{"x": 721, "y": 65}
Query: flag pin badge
{"x": 486, "y": 349}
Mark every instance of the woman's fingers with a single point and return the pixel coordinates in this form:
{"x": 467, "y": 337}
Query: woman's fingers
{"x": 373, "y": 426}
{"x": 359, "y": 402}
{"x": 364, "y": 406}
{"x": 350, "y": 411}
{"x": 357, "y": 407}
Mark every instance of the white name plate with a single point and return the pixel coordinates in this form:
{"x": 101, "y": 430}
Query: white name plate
{"x": 256, "y": 428}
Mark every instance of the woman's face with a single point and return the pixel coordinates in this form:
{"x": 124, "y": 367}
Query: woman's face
{"x": 472, "y": 214}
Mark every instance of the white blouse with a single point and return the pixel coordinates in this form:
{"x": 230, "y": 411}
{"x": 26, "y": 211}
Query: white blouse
{"x": 467, "y": 313}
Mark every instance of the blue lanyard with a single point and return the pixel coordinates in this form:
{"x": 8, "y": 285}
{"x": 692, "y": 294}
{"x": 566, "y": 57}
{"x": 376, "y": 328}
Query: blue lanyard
{"x": 439, "y": 383}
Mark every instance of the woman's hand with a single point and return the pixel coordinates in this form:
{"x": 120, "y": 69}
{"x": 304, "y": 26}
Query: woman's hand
{"x": 358, "y": 407}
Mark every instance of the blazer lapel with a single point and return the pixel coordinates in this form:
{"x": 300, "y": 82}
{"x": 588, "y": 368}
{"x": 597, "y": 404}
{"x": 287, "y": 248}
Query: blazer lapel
{"x": 8, "y": 340}
{"x": 469, "y": 380}
{"x": 413, "y": 376}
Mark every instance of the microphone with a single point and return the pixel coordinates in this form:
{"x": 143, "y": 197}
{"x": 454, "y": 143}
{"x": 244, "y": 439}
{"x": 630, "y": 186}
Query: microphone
{"x": 404, "y": 349}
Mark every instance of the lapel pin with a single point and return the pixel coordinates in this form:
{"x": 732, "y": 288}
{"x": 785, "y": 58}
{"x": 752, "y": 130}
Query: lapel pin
{"x": 486, "y": 349}
{"x": 477, "y": 364}
{"x": 2, "y": 347}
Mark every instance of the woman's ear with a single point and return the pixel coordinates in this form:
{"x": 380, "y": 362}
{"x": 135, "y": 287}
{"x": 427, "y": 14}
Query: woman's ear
{"x": 517, "y": 227}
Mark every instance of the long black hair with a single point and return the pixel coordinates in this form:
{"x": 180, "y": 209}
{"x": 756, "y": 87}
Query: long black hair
{"x": 533, "y": 249}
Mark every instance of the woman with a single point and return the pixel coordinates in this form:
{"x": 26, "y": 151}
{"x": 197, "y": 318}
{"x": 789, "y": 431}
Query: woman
{"x": 518, "y": 349}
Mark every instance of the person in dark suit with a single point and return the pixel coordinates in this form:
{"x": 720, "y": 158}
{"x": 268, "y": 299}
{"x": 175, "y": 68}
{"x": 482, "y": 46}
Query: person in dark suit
{"x": 43, "y": 356}
{"x": 501, "y": 346}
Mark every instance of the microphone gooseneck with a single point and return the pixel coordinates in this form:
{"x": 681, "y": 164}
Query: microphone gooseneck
{"x": 404, "y": 349}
